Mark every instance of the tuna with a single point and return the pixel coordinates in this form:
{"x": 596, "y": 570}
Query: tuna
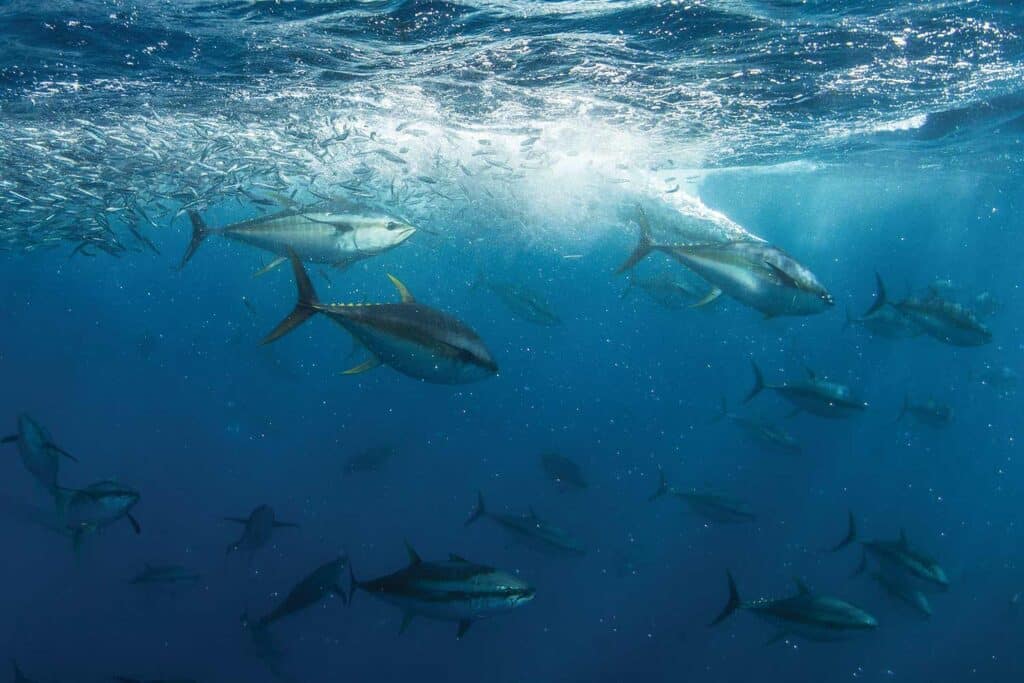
{"x": 563, "y": 471}
{"x": 752, "y": 272}
{"x": 898, "y": 559}
{"x": 316, "y": 235}
{"x": 529, "y": 527}
{"x": 258, "y": 529}
{"x": 948, "y": 322}
{"x": 711, "y": 506}
{"x": 930, "y": 413}
{"x": 39, "y": 454}
{"x": 807, "y": 614}
{"x": 814, "y": 395}
{"x": 453, "y": 590}
{"x": 323, "y": 582}
{"x": 413, "y": 339}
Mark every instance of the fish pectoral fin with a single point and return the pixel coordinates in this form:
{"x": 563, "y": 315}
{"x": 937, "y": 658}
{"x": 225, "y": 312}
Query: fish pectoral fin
{"x": 780, "y": 636}
{"x": 270, "y": 266}
{"x": 135, "y": 523}
{"x": 782, "y": 275}
{"x": 406, "y": 620}
{"x": 54, "y": 447}
{"x": 9, "y": 439}
{"x": 708, "y": 298}
{"x": 463, "y": 627}
{"x": 403, "y": 291}
{"x": 285, "y": 525}
{"x": 365, "y": 366}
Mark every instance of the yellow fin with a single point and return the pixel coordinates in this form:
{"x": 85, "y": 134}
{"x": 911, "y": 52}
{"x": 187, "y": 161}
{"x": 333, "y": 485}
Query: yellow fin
{"x": 711, "y": 296}
{"x": 362, "y": 367}
{"x": 403, "y": 291}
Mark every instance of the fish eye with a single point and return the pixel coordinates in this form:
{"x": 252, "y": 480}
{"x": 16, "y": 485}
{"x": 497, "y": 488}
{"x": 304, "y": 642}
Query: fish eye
{"x": 392, "y": 225}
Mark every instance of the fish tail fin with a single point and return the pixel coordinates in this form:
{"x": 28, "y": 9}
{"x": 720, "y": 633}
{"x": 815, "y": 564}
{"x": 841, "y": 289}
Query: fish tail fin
{"x": 662, "y": 487}
{"x": 644, "y": 246}
{"x": 200, "y": 231}
{"x": 731, "y": 606}
{"x": 479, "y": 510}
{"x": 880, "y": 297}
{"x": 851, "y": 535}
{"x": 758, "y": 383}
{"x": 305, "y": 306}
{"x": 353, "y": 584}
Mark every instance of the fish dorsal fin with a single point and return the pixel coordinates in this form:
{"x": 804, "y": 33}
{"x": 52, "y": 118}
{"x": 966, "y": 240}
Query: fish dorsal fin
{"x": 403, "y": 291}
{"x": 801, "y": 587}
{"x": 903, "y": 538}
{"x": 414, "y": 557}
{"x": 457, "y": 558}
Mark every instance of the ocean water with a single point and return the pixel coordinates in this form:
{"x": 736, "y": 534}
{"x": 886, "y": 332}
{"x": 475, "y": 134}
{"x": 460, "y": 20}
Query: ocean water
{"x": 526, "y": 142}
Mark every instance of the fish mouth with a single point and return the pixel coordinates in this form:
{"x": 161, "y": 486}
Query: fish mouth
{"x": 402, "y": 234}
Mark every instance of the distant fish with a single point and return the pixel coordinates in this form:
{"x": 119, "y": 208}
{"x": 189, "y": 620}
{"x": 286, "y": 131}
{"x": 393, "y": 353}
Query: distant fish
{"x": 324, "y": 581}
{"x": 164, "y": 574}
{"x": 531, "y": 528}
{"x": 898, "y": 558}
{"x": 929, "y": 413}
{"x": 814, "y": 617}
{"x": 754, "y": 273}
{"x": 19, "y": 675}
{"x": 946, "y": 321}
{"x": 815, "y": 395}
{"x": 369, "y": 460}
{"x": 39, "y": 454}
{"x": 710, "y": 506}
{"x": 883, "y": 319}
{"x": 414, "y": 339}
{"x": 95, "y": 507}
{"x": 762, "y": 433}
{"x": 259, "y": 527}
{"x": 524, "y": 303}
{"x": 315, "y": 235}
{"x": 901, "y": 590}
{"x": 667, "y": 291}
{"x": 453, "y": 590}
{"x": 562, "y": 470}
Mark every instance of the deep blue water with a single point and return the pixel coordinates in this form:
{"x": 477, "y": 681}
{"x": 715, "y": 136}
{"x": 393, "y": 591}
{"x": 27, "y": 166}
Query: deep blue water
{"x": 857, "y": 136}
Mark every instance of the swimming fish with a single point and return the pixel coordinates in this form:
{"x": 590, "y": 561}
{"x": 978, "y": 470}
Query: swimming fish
{"x": 815, "y": 395}
{"x": 529, "y": 527}
{"x": 318, "y": 236}
{"x": 754, "y": 273}
{"x": 452, "y": 590}
{"x": 258, "y": 528}
{"x": 412, "y": 338}
{"x": 815, "y": 617}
